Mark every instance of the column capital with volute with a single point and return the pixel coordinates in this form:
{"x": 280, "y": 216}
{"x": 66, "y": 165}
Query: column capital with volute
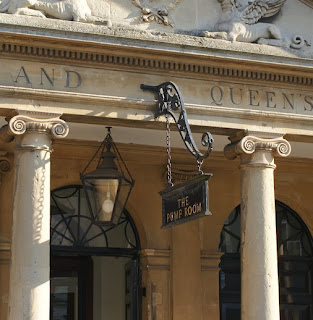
{"x": 245, "y": 143}
{"x": 20, "y": 122}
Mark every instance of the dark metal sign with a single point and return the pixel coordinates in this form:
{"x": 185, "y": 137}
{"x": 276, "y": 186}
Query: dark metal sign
{"x": 186, "y": 201}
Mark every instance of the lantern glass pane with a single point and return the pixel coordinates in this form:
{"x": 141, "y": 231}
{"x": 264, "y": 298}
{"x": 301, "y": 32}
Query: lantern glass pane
{"x": 102, "y": 195}
{"x": 122, "y": 197}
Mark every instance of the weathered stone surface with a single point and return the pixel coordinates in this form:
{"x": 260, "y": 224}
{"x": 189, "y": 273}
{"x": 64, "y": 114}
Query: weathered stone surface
{"x": 185, "y": 18}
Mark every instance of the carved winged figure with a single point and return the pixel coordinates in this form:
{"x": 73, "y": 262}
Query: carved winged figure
{"x": 240, "y": 21}
{"x": 77, "y": 10}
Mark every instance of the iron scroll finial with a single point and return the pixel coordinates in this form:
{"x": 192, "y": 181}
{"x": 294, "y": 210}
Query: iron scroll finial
{"x": 170, "y": 99}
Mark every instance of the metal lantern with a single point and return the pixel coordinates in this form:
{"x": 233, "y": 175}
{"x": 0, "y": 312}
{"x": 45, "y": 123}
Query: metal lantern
{"x": 108, "y": 187}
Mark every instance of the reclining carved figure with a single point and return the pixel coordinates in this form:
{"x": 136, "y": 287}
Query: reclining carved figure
{"x": 77, "y": 10}
{"x": 240, "y": 22}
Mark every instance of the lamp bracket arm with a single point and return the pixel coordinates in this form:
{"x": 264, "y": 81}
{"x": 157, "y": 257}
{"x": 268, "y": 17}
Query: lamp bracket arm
{"x": 169, "y": 100}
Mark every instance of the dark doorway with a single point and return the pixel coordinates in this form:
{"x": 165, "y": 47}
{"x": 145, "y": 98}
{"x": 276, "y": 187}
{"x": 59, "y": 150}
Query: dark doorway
{"x": 71, "y": 288}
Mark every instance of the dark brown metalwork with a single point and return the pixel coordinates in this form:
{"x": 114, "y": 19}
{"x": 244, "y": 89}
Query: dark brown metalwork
{"x": 186, "y": 201}
{"x": 169, "y": 100}
{"x": 110, "y": 168}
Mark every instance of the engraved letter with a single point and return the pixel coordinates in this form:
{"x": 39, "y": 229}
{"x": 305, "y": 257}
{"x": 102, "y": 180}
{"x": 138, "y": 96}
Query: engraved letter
{"x": 43, "y": 72}
{"x": 253, "y": 95}
{"x": 232, "y": 96}
{"x": 23, "y": 74}
{"x": 217, "y": 100}
{"x": 291, "y": 103}
{"x": 309, "y": 101}
{"x": 69, "y": 82}
{"x": 269, "y": 99}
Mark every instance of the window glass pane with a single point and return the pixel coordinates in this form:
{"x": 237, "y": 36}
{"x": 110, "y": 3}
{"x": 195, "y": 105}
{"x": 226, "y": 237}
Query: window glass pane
{"x": 295, "y": 249}
{"x": 73, "y": 226}
{"x": 230, "y": 235}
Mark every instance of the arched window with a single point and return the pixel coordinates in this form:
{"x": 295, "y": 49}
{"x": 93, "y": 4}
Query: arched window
{"x": 94, "y": 268}
{"x": 295, "y": 260}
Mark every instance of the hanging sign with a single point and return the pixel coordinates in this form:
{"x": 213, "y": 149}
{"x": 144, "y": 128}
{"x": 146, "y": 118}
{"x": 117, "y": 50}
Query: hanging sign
{"x": 186, "y": 201}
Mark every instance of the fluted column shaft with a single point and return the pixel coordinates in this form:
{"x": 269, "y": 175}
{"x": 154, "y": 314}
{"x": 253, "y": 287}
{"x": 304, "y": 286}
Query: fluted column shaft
{"x": 30, "y": 263}
{"x": 259, "y": 264}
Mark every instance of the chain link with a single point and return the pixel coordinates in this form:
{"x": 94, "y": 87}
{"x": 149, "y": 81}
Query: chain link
{"x": 199, "y": 163}
{"x": 168, "y": 152}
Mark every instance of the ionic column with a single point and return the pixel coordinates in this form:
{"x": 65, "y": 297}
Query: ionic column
{"x": 259, "y": 271}
{"x": 30, "y": 265}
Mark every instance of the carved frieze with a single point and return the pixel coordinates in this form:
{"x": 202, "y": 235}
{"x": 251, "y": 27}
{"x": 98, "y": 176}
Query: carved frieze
{"x": 159, "y": 13}
{"x": 242, "y": 21}
{"x": 76, "y": 10}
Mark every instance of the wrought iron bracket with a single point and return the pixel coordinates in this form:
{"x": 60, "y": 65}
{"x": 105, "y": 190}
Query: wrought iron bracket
{"x": 169, "y": 100}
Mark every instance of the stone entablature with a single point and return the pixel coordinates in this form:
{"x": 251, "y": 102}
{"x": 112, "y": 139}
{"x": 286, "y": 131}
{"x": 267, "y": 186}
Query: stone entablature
{"x": 254, "y": 92}
{"x": 221, "y": 101}
{"x": 70, "y": 73}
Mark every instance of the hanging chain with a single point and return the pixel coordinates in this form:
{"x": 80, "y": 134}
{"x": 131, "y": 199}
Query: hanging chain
{"x": 199, "y": 163}
{"x": 168, "y": 151}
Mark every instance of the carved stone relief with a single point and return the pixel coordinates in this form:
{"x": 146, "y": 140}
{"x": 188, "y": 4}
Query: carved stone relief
{"x": 77, "y": 10}
{"x": 241, "y": 20}
{"x": 159, "y": 13}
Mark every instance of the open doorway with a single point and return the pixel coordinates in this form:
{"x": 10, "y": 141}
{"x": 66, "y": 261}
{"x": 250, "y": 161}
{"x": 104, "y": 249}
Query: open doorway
{"x": 94, "y": 269}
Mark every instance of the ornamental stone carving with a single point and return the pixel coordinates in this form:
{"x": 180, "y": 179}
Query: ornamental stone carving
{"x": 249, "y": 144}
{"x": 241, "y": 21}
{"x": 20, "y": 122}
{"x": 77, "y": 10}
{"x": 159, "y": 13}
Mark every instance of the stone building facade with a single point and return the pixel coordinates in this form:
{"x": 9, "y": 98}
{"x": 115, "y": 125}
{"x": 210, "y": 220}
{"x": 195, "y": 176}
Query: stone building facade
{"x": 69, "y": 69}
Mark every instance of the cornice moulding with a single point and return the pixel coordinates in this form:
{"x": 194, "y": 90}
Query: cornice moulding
{"x": 89, "y": 43}
{"x": 178, "y": 63}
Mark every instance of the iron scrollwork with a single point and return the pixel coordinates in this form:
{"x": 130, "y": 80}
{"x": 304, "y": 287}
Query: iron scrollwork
{"x": 169, "y": 100}
{"x": 73, "y": 229}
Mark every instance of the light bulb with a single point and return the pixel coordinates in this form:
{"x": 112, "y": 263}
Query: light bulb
{"x": 108, "y": 204}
